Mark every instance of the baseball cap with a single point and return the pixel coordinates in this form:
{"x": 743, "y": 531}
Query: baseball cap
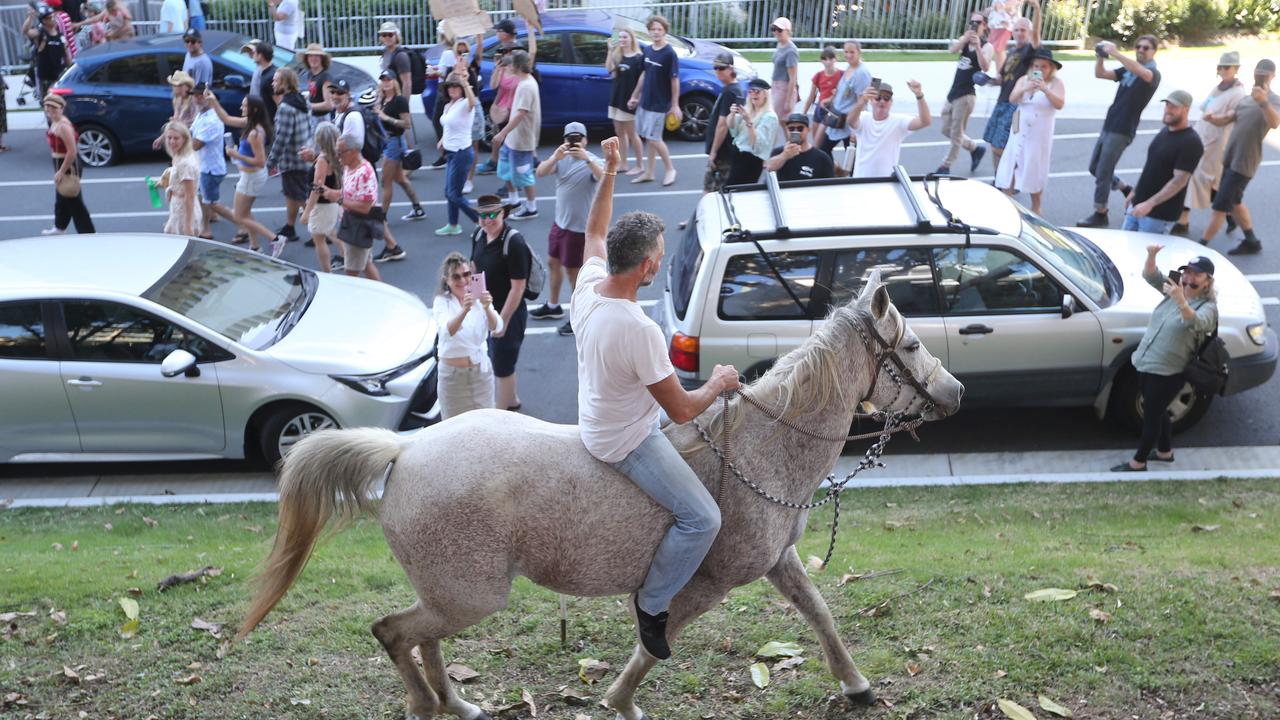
{"x": 1181, "y": 98}
{"x": 192, "y": 34}
{"x": 781, "y": 24}
{"x": 505, "y": 25}
{"x": 387, "y": 74}
{"x": 575, "y": 128}
{"x": 1265, "y": 66}
{"x": 340, "y": 86}
{"x": 1201, "y": 263}
{"x": 886, "y": 89}
{"x": 723, "y": 59}
{"x": 389, "y": 28}
{"x": 1229, "y": 59}
{"x": 796, "y": 118}
{"x": 758, "y": 84}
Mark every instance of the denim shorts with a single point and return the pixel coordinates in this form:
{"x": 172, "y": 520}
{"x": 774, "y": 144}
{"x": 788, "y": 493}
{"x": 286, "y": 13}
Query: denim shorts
{"x": 393, "y": 148}
{"x": 211, "y": 188}
{"x": 516, "y": 167}
{"x": 999, "y": 125}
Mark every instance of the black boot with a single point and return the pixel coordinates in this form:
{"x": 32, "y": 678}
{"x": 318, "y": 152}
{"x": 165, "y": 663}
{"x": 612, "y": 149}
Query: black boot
{"x": 653, "y": 631}
{"x": 1096, "y": 220}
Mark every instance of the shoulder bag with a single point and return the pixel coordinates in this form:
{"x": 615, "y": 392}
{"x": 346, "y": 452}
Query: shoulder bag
{"x": 1208, "y": 368}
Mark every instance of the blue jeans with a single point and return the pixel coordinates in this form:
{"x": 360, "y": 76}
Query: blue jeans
{"x": 657, "y": 468}
{"x": 197, "y": 22}
{"x": 1146, "y": 224}
{"x": 455, "y": 178}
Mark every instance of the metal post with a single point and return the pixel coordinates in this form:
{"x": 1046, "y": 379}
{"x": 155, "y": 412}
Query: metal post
{"x": 825, "y": 23}
{"x": 1088, "y": 18}
{"x": 564, "y": 622}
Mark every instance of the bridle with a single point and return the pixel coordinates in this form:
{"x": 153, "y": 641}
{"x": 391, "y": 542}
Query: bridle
{"x": 887, "y": 361}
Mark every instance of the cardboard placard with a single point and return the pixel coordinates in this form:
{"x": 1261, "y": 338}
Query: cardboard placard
{"x": 446, "y": 9}
{"x": 477, "y": 23}
{"x": 529, "y": 11}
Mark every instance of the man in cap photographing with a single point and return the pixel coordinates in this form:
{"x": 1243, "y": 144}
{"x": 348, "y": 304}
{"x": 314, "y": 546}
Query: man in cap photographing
{"x": 1156, "y": 201}
{"x": 798, "y": 159}
{"x": 1257, "y": 115}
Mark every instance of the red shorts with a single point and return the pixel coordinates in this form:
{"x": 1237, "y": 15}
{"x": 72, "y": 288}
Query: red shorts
{"x": 566, "y": 246}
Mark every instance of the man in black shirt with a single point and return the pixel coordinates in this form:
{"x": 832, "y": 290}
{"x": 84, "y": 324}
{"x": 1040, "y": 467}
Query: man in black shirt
{"x": 1156, "y": 201}
{"x": 1138, "y": 79}
{"x": 719, "y": 148}
{"x": 975, "y": 54}
{"x": 1012, "y": 66}
{"x": 799, "y": 159}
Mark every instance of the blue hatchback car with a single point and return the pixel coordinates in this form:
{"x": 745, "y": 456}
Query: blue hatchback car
{"x": 118, "y": 97}
{"x": 576, "y": 87}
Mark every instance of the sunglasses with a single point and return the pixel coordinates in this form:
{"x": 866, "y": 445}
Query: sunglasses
{"x": 885, "y": 98}
{"x": 190, "y": 42}
{"x": 382, "y": 35}
{"x": 797, "y": 128}
{"x": 1144, "y": 47}
{"x": 721, "y": 67}
{"x": 491, "y": 215}
{"x": 775, "y": 29}
{"x": 460, "y": 276}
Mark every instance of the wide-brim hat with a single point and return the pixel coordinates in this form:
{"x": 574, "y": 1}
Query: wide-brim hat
{"x": 1231, "y": 58}
{"x": 1044, "y": 53}
{"x": 317, "y": 49}
{"x": 389, "y": 27}
{"x": 494, "y": 203}
{"x": 180, "y": 77}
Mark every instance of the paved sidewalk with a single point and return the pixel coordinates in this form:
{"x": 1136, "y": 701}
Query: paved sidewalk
{"x": 900, "y": 470}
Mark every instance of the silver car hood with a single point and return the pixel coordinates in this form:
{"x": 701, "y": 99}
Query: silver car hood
{"x": 1237, "y": 299}
{"x": 357, "y": 327}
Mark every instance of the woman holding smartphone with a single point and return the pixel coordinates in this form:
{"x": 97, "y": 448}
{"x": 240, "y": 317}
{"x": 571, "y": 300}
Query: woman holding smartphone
{"x": 754, "y": 129}
{"x": 1039, "y": 96}
{"x": 456, "y": 145}
{"x": 465, "y": 316}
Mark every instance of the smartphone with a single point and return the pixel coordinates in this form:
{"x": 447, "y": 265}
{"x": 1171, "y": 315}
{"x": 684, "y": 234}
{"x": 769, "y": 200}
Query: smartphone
{"x": 793, "y": 138}
{"x": 475, "y": 285}
{"x": 1175, "y": 276}
{"x": 1037, "y": 74}
{"x": 1260, "y": 79}
{"x": 875, "y": 84}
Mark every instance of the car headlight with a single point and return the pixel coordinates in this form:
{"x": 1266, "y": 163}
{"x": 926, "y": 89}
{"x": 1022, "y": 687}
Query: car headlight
{"x": 376, "y": 384}
{"x": 1258, "y": 333}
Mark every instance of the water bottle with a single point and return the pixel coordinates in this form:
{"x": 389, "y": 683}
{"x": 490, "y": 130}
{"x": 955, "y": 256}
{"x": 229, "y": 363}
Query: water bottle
{"x": 157, "y": 201}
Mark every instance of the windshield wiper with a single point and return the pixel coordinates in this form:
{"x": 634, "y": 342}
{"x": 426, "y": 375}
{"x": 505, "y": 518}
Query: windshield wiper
{"x": 294, "y": 314}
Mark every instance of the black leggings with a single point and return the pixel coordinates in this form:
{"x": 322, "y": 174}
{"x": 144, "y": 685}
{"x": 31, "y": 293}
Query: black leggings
{"x": 1157, "y": 429}
{"x": 745, "y": 169}
{"x": 65, "y": 210}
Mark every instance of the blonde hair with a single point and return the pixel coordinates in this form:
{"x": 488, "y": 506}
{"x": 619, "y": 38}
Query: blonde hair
{"x": 182, "y": 130}
{"x": 632, "y": 48}
{"x": 326, "y": 146}
{"x": 289, "y": 77}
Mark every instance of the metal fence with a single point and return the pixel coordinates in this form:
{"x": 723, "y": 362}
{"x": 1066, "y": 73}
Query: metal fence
{"x": 351, "y": 25}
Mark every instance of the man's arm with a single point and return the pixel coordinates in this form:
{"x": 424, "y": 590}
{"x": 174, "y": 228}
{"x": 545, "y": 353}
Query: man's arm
{"x": 517, "y": 117}
{"x": 1143, "y": 72}
{"x": 1037, "y": 20}
{"x": 602, "y": 206}
{"x": 923, "y": 117}
{"x": 775, "y": 162}
{"x": 1100, "y": 70}
{"x": 548, "y": 166}
{"x": 635, "y": 94}
{"x": 1269, "y": 111}
{"x": 855, "y": 113}
{"x": 675, "y": 95}
{"x": 1176, "y": 183}
{"x": 722, "y": 131}
{"x": 682, "y": 405}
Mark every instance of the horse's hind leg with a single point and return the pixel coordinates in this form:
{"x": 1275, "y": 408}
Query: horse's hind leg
{"x": 790, "y": 579}
{"x": 438, "y": 677}
{"x": 399, "y": 633}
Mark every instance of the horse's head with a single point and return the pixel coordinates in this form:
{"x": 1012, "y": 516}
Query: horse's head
{"x": 906, "y": 378}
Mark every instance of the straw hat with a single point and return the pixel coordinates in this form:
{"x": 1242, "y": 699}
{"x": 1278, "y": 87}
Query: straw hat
{"x": 181, "y": 78}
{"x": 318, "y": 49}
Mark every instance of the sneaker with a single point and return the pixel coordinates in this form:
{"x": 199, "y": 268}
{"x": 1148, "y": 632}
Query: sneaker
{"x": 1246, "y": 247}
{"x": 524, "y": 214}
{"x": 449, "y": 230}
{"x": 547, "y": 312}
{"x": 389, "y": 254}
{"x": 975, "y": 157}
{"x": 1180, "y": 229}
{"x": 336, "y": 264}
{"x": 653, "y": 631}
{"x": 486, "y": 168}
{"x": 1096, "y": 220}
{"x": 415, "y": 214}
{"x": 288, "y": 232}
{"x": 439, "y": 163}
{"x": 277, "y": 245}
{"x": 311, "y": 242}
{"x": 467, "y": 187}
{"x": 942, "y": 170}
{"x": 565, "y": 329}
{"x": 52, "y": 231}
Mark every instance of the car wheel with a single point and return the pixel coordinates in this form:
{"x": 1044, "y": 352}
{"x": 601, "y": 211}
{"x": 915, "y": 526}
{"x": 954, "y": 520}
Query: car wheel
{"x": 286, "y": 426}
{"x": 697, "y": 115}
{"x": 97, "y": 147}
{"x": 1187, "y": 409}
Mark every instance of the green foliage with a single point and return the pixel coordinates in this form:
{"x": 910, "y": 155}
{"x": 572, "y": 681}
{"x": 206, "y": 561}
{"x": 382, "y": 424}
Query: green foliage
{"x": 1148, "y": 17}
{"x": 1203, "y": 19}
{"x": 1251, "y": 16}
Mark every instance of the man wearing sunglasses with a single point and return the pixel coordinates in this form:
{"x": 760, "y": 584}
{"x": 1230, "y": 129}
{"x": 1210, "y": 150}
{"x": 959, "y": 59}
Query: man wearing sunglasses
{"x": 196, "y": 63}
{"x": 880, "y": 136}
{"x": 395, "y": 58}
{"x": 798, "y": 159}
{"x": 1137, "y": 79}
{"x": 719, "y": 148}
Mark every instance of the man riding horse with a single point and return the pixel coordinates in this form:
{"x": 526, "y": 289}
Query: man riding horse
{"x": 624, "y": 378}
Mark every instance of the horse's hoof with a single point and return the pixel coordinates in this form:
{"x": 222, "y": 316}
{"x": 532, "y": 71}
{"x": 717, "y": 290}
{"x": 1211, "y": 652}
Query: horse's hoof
{"x": 866, "y": 698}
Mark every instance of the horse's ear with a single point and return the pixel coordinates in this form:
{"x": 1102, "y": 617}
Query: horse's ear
{"x": 880, "y": 303}
{"x": 869, "y": 289}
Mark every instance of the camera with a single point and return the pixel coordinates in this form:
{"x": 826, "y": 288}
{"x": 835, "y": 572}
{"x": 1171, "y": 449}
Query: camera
{"x": 875, "y": 84}
{"x": 974, "y": 24}
{"x": 1100, "y": 49}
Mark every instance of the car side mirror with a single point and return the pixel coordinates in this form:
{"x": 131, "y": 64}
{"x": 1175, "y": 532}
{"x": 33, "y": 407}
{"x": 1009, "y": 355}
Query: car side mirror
{"x": 235, "y": 82}
{"x": 179, "y": 362}
{"x": 1068, "y": 306}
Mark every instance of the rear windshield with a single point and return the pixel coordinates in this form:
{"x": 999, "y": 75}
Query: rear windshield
{"x": 684, "y": 268}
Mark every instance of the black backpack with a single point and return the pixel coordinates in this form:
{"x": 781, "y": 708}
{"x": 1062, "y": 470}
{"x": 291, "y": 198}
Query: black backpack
{"x": 417, "y": 70}
{"x": 374, "y": 133}
{"x": 537, "y": 269}
{"x": 1209, "y": 367}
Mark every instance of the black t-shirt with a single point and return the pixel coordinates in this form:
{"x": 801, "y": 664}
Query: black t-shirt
{"x": 730, "y": 95}
{"x": 394, "y": 108}
{"x": 315, "y": 90}
{"x": 1016, "y": 63}
{"x": 809, "y": 164}
{"x": 625, "y": 77}
{"x": 51, "y": 58}
{"x": 1169, "y": 151}
{"x": 966, "y": 66}
{"x": 73, "y": 9}
{"x": 268, "y": 94}
{"x": 1132, "y": 97}
{"x": 500, "y": 270}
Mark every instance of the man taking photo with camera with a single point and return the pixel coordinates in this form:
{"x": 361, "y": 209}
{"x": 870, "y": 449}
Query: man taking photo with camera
{"x": 975, "y": 56}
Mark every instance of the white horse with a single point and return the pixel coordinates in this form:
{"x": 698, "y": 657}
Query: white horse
{"x": 471, "y": 503}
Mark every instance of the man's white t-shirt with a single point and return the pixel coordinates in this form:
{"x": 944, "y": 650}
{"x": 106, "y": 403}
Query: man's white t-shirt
{"x": 879, "y": 144}
{"x": 351, "y": 123}
{"x": 621, "y": 352}
{"x": 291, "y": 26}
{"x": 173, "y": 16}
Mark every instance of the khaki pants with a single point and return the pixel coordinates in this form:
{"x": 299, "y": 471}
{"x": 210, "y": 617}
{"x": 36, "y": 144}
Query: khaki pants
{"x": 463, "y": 389}
{"x": 955, "y": 116}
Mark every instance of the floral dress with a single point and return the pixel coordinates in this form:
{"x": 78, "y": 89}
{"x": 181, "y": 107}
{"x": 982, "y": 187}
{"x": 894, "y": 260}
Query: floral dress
{"x": 185, "y": 167}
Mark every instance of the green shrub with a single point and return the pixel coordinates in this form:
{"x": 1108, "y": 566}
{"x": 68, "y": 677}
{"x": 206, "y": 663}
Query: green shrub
{"x": 1148, "y": 17}
{"x": 1251, "y": 16}
{"x": 1102, "y": 16}
{"x": 1203, "y": 19}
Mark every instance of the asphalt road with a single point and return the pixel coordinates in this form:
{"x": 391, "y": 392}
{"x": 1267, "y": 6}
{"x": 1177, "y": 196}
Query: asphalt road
{"x": 118, "y": 199}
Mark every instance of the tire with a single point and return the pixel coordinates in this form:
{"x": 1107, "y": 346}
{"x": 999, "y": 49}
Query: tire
{"x": 697, "y": 115}
{"x": 1188, "y": 408}
{"x": 97, "y": 147}
{"x": 287, "y": 425}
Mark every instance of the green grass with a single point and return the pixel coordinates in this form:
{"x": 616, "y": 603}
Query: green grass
{"x": 1192, "y": 621}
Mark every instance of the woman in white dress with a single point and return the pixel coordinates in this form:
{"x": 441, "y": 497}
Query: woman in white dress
{"x": 180, "y": 180}
{"x": 1217, "y": 113}
{"x": 1039, "y": 96}
{"x": 465, "y": 317}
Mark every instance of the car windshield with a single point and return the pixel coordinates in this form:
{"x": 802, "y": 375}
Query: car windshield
{"x": 230, "y": 53}
{"x": 1070, "y": 254}
{"x": 247, "y": 298}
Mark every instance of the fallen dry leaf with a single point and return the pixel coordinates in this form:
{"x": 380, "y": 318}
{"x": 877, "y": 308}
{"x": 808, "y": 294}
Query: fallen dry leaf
{"x": 591, "y": 670}
{"x": 299, "y": 701}
{"x": 70, "y": 674}
{"x": 56, "y": 546}
{"x": 913, "y": 668}
{"x": 759, "y": 675}
{"x": 1103, "y": 587}
{"x": 1275, "y": 594}
{"x": 787, "y": 664}
{"x": 253, "y": 528}
{"x": 1101, "y": 616}
{"x": 59, "y": 617}
{"x": 890, "y": 525}
{"x": 189, "y": 680}
{"x": 1014, "y": 711}
{"x": 573, "y": 696}
{"x": 150, "y": 522}
{"x": 461, "y": 673}
{"x": 775, "y": 649}
{"x": 9, "y": 617}
{"x": 1204, "y": 528}
{"x": 1050, "y": 595}
{"x": 214, "y": 629}
{"x": 108, "y": 527}
{"x": 1050, "y": 706}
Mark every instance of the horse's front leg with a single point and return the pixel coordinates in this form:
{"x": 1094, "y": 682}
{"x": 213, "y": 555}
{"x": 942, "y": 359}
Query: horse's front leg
{"x": 695, "y": 599}
{"x": 790, "y": 579}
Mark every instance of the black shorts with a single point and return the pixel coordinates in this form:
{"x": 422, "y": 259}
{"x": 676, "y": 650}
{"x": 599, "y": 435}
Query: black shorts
{"x": 505, "y": 351}
{"x": 296, "y": 184}
{"x": 1230, "y": 191}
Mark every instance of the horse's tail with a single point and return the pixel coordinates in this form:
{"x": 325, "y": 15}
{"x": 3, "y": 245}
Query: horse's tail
{"x": 327, "y": 473}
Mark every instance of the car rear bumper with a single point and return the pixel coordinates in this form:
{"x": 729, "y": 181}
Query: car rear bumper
{"x": 1254, "y": 370}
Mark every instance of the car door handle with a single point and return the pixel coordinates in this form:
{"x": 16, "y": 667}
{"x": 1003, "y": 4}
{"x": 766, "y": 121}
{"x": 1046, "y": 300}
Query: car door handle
{"x": 976, "y": 329}
{"x": 85, "y": 382}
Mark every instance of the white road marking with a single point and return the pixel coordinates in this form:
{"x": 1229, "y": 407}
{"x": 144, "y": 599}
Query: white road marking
{"x": 1271, "y": 301}
{"x": 548, "y": 329}
{"x": 1263, "y": 277}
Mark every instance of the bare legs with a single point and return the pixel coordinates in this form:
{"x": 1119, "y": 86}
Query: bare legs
{"x": 629, "y": 138}
{"x": 249, "y": 225}
{"x": 557, "y": 271}
{"x": 658, "y": 149}
{"x": 507, "y": 394}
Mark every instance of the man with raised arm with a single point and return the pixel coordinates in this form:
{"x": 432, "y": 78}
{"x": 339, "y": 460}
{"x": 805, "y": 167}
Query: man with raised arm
{"x": 624, "y": 380}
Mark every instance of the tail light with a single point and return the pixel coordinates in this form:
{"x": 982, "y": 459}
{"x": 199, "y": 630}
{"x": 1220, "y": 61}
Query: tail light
{"x": 60, "y": 91}
{"x": 684, "y": 352}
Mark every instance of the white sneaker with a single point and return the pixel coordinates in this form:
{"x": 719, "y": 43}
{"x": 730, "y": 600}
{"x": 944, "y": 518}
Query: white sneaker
{"x": 277, "y": 245}
{"x": 52, "y": 231}
{"x": 468, "y": 187}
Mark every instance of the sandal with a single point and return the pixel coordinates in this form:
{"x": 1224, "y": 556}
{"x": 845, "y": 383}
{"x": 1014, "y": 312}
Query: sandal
{"x": 240, "y": 239}
{"x": 1154, "y": 456}
{"x": 514, "y": 408}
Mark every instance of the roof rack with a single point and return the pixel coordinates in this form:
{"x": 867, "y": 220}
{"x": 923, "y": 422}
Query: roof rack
{"x": 783, "y": 231}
